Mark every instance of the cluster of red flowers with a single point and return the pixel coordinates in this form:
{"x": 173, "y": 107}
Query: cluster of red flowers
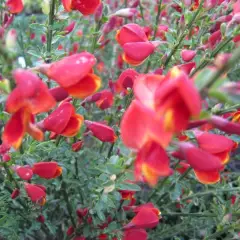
{"x": 163, "y": 108}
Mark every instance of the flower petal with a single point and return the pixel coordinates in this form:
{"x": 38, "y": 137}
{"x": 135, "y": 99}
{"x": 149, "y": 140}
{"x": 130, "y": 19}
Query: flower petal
{"x": 46, "y": 170}
{"x": 70, "y": 70}
{"x": 138, "y": 51}
{"x": 101, "y": 131}
{"x": 198, "y": 159}
{"x": 131, "y": 33}
{"x": 15, "y": 6}
{"x": 35, "y": 193}
{"x": 208, "y": 177}
{"x": 135, "y": 234}
{"x": 73, "y": 126}
{"x": 86, "y": 7}
{"x": 15, "y": 128}
{"x": 85, "y": 87}
{"x": 30, "y": 92}
{"x": 58, "y": 120}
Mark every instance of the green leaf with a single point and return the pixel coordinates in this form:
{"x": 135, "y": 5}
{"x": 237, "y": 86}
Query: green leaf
{"x": 128, "y": 186}
{"x": 202, "y": 78}
{"x": 41, "y": 28}
{"x": 220, "y": 96}
{"x": 234, "y": 75}
{"x": 5, "y": 86}
{"x": 176, "y": 193}
{"x": 34, "y": 53}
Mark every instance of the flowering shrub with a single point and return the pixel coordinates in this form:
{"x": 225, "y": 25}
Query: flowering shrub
{"x": 119, "y": 119}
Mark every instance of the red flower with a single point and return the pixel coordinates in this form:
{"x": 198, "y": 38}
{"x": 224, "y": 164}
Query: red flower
{"x": 59, "y": 93}
{"x": 20, "y": 123}
{"x": 188, "y": 55}
{"x": 187, "y": 67}
{"x": 77, "y": 146}
{"x": 15, "y": 193}
{"x": 236, "y": 117}
{"x": 140, "y": 125}
{"x": 103, "y": 236}
{"x": 86, "y": 7}
{"x": 41, "y": 219}
{"x": 24, "y": 173}
{"x": 35, "y": 193}
{"x": 126, "y": 80}
{"x": 15, "y": 6}
{"x": 219, "y": 146}
{"x": 105, "y": 100}
{"x": 64, "y": 121}
{"x": 206, "y": 166}
{"x": 135, "y": 234}
{"x": 74, "y": 74}
{"x": 101, "y": 131}
{"x": 177, "y": 100}
{"x": 135, "y": 44}
{"x": 47, "y": 170}
{"x": 151, "y": 163}
{"x": 182, "y": 167}
{"x": 31, "y": 96}
{"x": 69, "y": 28}
{"x": 224, "y": 125}
{"x": 70, "y": 231}
{"x": 145, "y": 218}
{"x": 30, "y": 93}
{"x": 82, "y": 212}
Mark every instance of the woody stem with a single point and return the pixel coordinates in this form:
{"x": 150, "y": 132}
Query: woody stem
{"x": 50, "y": 31}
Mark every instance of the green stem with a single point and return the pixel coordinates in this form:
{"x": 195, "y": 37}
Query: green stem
{"x": 10, "y": 176}
{"x": 58, "y": 139}
{"x": 50, "y": 31}
{"x": 161, "y": 198}
{"x": 202, "y": 194}
{"x": 183, "y": 35}
{"x": 231, "y": 63}
{"x": 188, "y": 214}
{"x": 110, "y": 150}
{"x": 161, "y": 184}
{"x": 155, "y": 30}
{"x": 95, "y": 37}
{"x": 225, "y": 230}
{"x": 66, "y": 199}
{"x": 141, "y": 10}
{"x": 205, "y": 62}
{"x": 157, "y": 19}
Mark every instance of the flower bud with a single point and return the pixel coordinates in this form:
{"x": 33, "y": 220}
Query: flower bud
{"x": 223, "y": 28}
{"x": 40, "y": 219}
{"x": 99, "y": 12}
{"x": 126, "y": 12}
{"x": 222, "y": 59}
{"x": 69, "y": 28}
{"x": 6, "y": 157}
{"x": 11, "y": 39}
{"x": 224, "y": 125}
{"x": 77, "y": 146}
{"x": 15, "y": 193}
{"x": 188, "y": 55}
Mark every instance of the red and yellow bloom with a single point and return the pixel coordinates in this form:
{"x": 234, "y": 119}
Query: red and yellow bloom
{"x": 86, "y": 7}
{"x": 64, "y": 121}
{"x": 30, "y": 97}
